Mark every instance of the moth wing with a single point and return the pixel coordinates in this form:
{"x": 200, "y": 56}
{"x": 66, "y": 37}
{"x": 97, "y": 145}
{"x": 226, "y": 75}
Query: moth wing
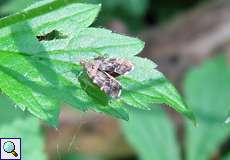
{"x": 116, "y": 67}
{"x": 108, "y": 84}
{"x": 91, "y": 68}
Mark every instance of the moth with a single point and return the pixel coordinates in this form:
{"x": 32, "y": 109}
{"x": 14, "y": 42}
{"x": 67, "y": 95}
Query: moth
{"x": 103, "y": 72}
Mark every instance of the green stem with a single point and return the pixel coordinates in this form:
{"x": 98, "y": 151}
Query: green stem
{"x": 22, "y": 16}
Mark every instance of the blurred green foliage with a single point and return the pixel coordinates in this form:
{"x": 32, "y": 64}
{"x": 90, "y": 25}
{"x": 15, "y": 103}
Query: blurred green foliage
{"x": 207, "y": 92}
{"x": 136, "y": 14}
{"x": 18, "y": 124}
{"x": 139, "y": 14}
{"x": 153, "y": 136}
{"x": 78, "y": 156}
{"x": 11, "y": 6}
{"x": 226, "y": 157}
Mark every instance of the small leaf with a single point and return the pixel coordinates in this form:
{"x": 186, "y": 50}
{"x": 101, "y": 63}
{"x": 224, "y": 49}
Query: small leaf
{"x": 209, "y": 98}
{"x": 151, "y": 134}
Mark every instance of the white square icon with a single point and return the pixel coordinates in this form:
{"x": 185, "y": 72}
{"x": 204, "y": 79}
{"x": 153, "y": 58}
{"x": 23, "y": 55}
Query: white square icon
{"x": 10, "y": 148}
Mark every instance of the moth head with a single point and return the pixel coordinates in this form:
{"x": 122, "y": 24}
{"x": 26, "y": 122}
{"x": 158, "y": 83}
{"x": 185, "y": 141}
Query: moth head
{"x": 83, "y": 62}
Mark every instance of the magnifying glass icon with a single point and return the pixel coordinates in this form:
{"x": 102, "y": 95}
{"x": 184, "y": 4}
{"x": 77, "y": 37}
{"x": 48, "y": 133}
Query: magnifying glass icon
{"x": 9, "y": 147}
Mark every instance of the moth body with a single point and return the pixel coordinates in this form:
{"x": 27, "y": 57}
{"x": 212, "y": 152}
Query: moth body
{"x": 103, "y": 72}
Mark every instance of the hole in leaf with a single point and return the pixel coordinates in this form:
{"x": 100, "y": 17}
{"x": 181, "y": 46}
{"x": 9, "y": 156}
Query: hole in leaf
{"x": 174, "y": 59}
{"x": 54, "y": 34}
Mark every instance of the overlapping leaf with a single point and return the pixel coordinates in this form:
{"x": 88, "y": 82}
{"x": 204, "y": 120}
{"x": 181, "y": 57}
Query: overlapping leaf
{"x": 39, "y": 75}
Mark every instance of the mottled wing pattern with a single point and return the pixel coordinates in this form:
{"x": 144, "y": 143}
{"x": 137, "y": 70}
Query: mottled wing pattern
{"x": 115, "y": 67}
{"x": 91, "y": 68}
{"x": 108, "y": 84}
{"x": 103, "y": 72}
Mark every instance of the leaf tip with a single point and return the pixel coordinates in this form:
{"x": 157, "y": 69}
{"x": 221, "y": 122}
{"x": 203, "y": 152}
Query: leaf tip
{"x": 142, "y": 44}
{"x": 190, "y": 115}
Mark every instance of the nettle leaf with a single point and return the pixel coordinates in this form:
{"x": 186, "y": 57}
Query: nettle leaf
{"x": 39, "y": 69}
{"x": 209, "y": 98}
{"x": 139, "y": 90}
{"x": 147, "y": 132}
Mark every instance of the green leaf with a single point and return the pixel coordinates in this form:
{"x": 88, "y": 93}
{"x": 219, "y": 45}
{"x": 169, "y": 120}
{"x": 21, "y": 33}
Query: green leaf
{"x": 151, "y": 134}
{"x": 39, "y": 75}
{"x": 136, "y": 8}
{"x": 8, "y": 110}
{"x": 38, "y": 9}
{"x": 139, "y": 90}
{"x": 209, "y": 98}
{"x": 16, "y": 124}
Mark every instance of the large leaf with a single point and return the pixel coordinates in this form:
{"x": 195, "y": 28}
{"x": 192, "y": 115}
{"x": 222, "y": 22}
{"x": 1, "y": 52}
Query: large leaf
{"x": 207, "y": 91}
{"x": 152, "y": 135}
{"x": 139, "y": 90}
{"x": 14, "y": 124}
{"x": 38, "y": 75}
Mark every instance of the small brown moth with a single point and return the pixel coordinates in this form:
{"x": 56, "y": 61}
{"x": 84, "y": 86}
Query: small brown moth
{"x": 103, "y": 72}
